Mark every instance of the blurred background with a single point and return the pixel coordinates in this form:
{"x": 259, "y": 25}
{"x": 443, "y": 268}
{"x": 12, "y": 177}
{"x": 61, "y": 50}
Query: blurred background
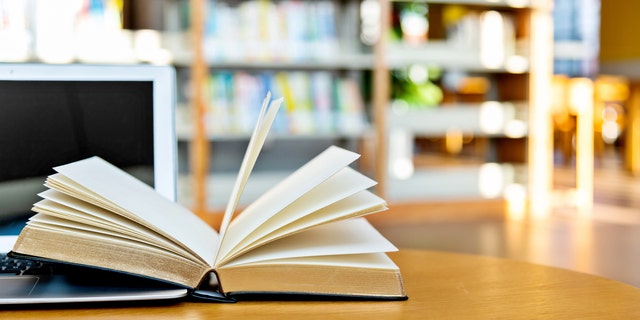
{"x": 499, "y": 127}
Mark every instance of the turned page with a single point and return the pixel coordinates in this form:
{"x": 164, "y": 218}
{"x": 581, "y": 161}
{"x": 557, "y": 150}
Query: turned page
{"x": 347, "y": 237}
{"x": 97, "y": 181}
{"x": 342, "y": 195}
{"x": 289, "y": 197}
{"x": 356, "y": 205}
{"x": 59, "y": 209}
{"x": 268, "y": 113}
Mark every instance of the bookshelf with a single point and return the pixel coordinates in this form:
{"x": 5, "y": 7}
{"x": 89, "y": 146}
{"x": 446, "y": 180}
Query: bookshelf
{"x": 305, "y": 51}
{"x": 299, "y": 50}
{"x": 486, "y": 132}
{"x": 350, "y": 62}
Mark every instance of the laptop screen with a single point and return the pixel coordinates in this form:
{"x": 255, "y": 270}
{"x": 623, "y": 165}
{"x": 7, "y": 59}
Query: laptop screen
{"x": 50, "y": 121}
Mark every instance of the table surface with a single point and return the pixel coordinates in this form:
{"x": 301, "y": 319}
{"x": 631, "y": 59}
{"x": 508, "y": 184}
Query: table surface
{"x": 440, "y": 285}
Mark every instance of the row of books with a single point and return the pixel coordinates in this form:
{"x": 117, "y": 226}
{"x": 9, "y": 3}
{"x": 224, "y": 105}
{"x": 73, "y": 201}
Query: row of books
{"x": 288, "y": 30}
{"x": 314, "y": 102}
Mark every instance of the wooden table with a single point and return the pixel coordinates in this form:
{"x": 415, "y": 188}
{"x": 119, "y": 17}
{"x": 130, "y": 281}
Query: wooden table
{"x": 440, "y": 286}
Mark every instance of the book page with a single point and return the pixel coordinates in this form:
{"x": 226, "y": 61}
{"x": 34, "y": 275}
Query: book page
{"x": 98, "y": 179}
{"x": 376, "y": 260}
{"x": 353, "y": 236}
{"x": 359, "y": 204}
{"x": 265, "y": 120}
{"x": 286, "y": 192}
{"x": 337, "y": 187}
{"x": 57, "y": 204}
{"x": 62, "y": 224}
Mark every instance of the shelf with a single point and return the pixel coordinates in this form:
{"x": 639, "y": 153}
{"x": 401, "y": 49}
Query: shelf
{"x": 186, "y": 134}
{"x": 481, "y": 181}
{"x": 339, "y": 61}
{"x": 185, "y": 131}
{"x": 491, "y": 119}
{"x": 177, "y": 44}
{"x": 201, "y": 51}
{"x": 434, "y": 52}
{"x": 451, "y": 56}
{"x": 484, "y": 3}
{"x": 449, "y": 183}
{"x": 502, "y": 125}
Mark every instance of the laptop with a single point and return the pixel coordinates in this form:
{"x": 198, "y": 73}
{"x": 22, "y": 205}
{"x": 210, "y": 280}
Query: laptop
{"x": 56, "y": 114}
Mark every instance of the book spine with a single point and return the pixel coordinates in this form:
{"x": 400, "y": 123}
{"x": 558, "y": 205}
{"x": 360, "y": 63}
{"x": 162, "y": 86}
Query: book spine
{"x": 322, "y": 96}
{"x": 317, "y": 102}
{"x": 268, "y": 30}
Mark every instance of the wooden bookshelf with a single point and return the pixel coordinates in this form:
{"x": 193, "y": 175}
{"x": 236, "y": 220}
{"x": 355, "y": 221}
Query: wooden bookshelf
{"x": 522, "y": 78}
{"x": 200, "y": 50}
{"x": 344, "y": 67}
{"x": 523, "y": 86}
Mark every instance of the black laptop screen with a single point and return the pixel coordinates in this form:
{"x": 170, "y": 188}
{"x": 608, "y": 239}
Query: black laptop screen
{"x": 49, "y": 123}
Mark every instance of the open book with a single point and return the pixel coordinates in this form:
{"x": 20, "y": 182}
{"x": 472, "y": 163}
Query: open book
{"x": 303, "y": 236}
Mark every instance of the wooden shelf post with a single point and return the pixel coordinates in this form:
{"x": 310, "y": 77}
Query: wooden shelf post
{"x": 200, "y": 145}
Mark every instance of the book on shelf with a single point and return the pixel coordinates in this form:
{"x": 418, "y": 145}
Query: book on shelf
{"x": 306, "y": 235}
{"x": 262, "y": 30}
{"x": 316, "y": 102}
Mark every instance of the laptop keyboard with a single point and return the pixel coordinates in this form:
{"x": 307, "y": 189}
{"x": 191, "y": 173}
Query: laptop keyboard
{"x": 10, "y": 265}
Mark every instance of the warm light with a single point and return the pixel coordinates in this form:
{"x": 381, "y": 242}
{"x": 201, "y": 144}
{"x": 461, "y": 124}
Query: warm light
{"x": 454, "y": 140}
{"x": 515, "y": 129}
{"x": 473, "y": 85}
{"x": 491, "y": 180}
{"x": 612, "y": 122}
{"x": 492, "y": 46}
{"x": 516, "y": 64}
{"x": 559, "y": 93}
{"x": 496, "y": 117}
{"x": 611, "y": 88}
{"x": 518, "y": 3}
{"x": 580, "y": 94}
{"x": 610, "y": 131}
{"x": 584, "y": 200}
{"x": 492, "y": 117}
{"x": 516, "y": 201}
{"x": 609, "y": 114}
{"x": 632, "y": 133}
{"x": 581, "y": 99}
{"x": 540, "y": 142}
